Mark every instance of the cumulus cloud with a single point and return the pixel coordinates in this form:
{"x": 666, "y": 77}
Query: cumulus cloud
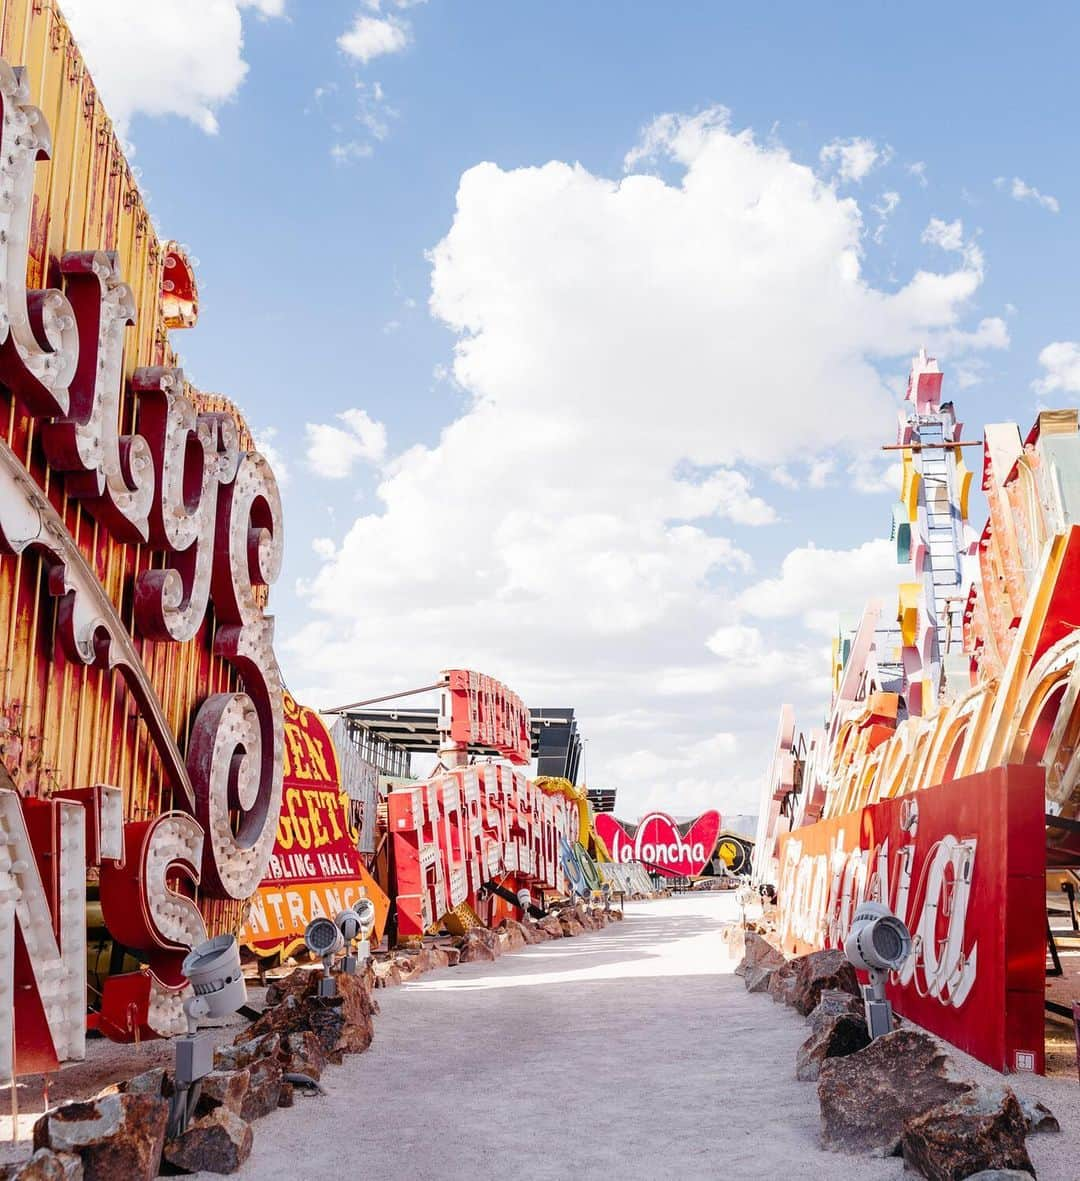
{"x": 949, "y": 235}
{"x": 918, "y": 171}
{"x": 818, "y": 584}
{"x": 632, "y": 352}
{"x": 155, "y": 59}
{"x": 1061, "y": 360}
{"x": 370, "y": 37}
{"x": 854, "y": 159}
{"x": 333, "y": 451}
{"x": 1021, "y": 191}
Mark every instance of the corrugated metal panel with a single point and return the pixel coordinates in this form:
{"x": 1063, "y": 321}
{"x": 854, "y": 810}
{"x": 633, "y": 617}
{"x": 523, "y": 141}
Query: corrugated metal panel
{"x": 64, "y": 726}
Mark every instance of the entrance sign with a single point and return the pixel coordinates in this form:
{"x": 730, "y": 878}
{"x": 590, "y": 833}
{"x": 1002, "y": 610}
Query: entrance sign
{"x": 315, "y": 869}
{"x": 963, "y": 865}
{"x": 659, "y": 843}
{"x": 140, "y": 711}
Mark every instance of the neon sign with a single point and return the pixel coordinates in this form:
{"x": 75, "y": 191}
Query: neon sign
{"x": 146, "y": 547}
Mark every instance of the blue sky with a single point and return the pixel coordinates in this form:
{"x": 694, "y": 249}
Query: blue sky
{"x": 663, "y": 362}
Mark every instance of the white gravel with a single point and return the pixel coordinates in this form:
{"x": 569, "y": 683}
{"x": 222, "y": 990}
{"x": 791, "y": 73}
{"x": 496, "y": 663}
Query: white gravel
{"x": 631, "y": 1052}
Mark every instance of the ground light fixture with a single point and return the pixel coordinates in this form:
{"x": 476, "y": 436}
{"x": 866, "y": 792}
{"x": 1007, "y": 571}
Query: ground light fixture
{"x": 365, "y": 910}
{"x": 324, "y": 939}
{"x": 351, "y": 926}
{"x": 213, "y": 968}
{"x": 878, "y": 943}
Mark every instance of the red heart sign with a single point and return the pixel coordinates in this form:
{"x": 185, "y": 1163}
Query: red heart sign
{"x": 659, "y": 844}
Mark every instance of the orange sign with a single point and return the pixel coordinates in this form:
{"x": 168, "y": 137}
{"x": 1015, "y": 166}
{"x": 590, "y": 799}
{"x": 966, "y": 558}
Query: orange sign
{"x": 315, "y": 869}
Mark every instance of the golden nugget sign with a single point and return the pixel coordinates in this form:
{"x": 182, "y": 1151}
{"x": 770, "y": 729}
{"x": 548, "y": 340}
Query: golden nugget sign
{"x": 315, "y": 869}
{"x": 140, "y": 707}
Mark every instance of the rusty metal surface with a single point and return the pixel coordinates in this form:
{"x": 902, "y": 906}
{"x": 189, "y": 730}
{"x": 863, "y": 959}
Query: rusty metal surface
{"x": 64, "y": 725}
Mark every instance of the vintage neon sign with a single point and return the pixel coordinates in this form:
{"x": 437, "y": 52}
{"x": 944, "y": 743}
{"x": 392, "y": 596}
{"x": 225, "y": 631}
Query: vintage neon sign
{"x": 963, "y": 864}
{"x": 469, "y": 826}
{"x": 182, "y": 485}
{"x": 477, "y": 710}
{"x": 315, "y": 868}
{"x": 658, "y": 842}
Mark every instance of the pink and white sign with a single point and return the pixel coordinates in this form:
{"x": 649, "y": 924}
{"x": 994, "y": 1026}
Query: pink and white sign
{"x": 658, "y": 842}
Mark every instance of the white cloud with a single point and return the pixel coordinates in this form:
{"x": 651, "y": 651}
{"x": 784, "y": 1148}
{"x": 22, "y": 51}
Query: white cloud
{"x": 918, "y": 171}
{"x": 372, "y": 36}
{"x": 265, "y": 7}
{"x": 949, "y": 235}
{"x": 854, "y": 159}
{"x": 333, "y": 451}
{"x": 159, "y": 59}
{"x": 1020, "y": 191}
{"x": 1061, "y": 360}
{"x": 872, "y": 475}
{"x": 820, "y": 472}
{"x": 885, "y": 206}
{"x": 631, "y": 352}
{"x": 350, "y": 150}
{"x": 817, "y": 585}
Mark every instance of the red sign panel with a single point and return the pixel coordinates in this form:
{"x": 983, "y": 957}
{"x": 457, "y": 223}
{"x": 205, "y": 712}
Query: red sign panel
{"x": 315, "y": 869}
{"x": 484, "y": 712}
{"x": 453, "y": 833}
{"x": 658, "y": 842}
{"x": 963, "y": 864}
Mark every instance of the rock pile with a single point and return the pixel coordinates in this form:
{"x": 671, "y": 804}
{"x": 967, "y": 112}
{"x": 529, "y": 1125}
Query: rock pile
{"x": 900, "y": 1094}
{"x": 123, "y": 1135}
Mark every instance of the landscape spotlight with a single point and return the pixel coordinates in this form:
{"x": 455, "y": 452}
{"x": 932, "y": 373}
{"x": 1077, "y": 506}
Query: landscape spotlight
{"x": 878, "y": 943}
{"x": 351, "y": 926}
{"x": 213, "y": 968}
{"x": 365, "y": 911}
{"x": 324, "y": 939}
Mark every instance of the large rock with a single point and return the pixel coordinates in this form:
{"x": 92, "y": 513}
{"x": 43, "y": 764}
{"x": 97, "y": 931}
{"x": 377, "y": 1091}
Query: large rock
{"x": 343, "y": 1023}
{"x": 984, "y": 1129}
{"x": 511, "y": 938}
{"x": 835, "y": 1003}
{"x": 816, "y": 972}
{"x": 759, "y": 977}
{"x": 1037, "y": 1116}
{"x": 359, "y": 1011}
{"x": 479, "y": 944}
{"x": 550, "y": 925}
{"x": 246, "y": 1050}
{"x": 782, "y": 985}
{"x": 302, "y": 1053}
{"x": 157, "y": 1082}
{"x": 300, "y": 982}
{"x": 517, "y": 934}
{"x": 571, "y": 923}
{"x": 45, "y": 1165}
{"x": 868, "y": 1097}
{"x": 216, "y": 1143}
{"x": 835, "y": 1037}
{"x": 755, "y": 951}
{"x": 386, "y": 973}
{"x": 223, "y": 1088}
{"x": 115, "y": 1136}
{"x": 264, "y": 1089}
